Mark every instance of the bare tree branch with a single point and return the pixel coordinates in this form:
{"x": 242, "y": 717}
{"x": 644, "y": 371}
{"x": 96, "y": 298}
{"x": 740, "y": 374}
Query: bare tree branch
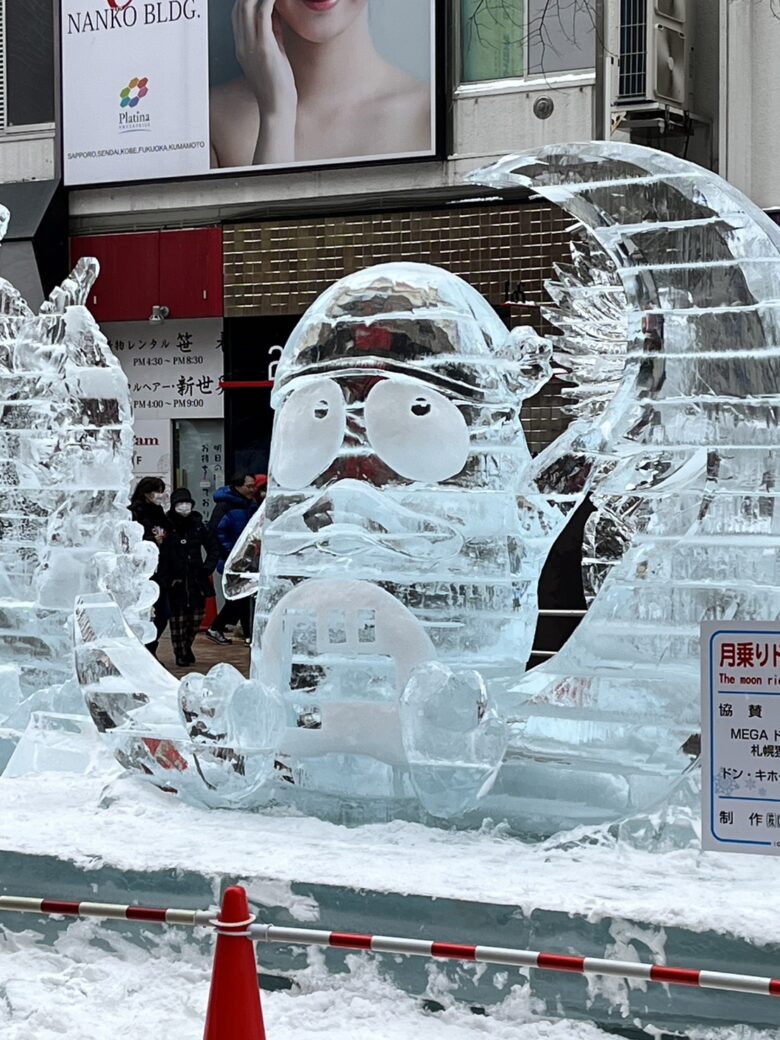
{"x": 532, "y": 31}
{"x": 536, "y": 31}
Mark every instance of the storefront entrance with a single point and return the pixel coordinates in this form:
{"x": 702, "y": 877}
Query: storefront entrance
{"x": 199, "y": 464}
{"x": 199, "y": 459}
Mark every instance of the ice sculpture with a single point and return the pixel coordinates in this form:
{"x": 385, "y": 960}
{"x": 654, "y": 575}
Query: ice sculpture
{"x": 396, "y": 560}
{"x": 400, "y": 389}
{"x": 65, "y": 468}
{"x": 398, "y": 575}
{"x": 687, "y": 445}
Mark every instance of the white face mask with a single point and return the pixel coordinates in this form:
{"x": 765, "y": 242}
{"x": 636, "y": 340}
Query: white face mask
{"x": 158, "y": 499}
{"x": 183, "y": 508}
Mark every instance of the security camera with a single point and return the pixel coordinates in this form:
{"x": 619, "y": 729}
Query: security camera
{"x": 158, "y": 315}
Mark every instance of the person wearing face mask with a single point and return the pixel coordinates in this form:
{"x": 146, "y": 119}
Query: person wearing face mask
{"x": 187, "y": 560}
{"x": 146, "y": 508}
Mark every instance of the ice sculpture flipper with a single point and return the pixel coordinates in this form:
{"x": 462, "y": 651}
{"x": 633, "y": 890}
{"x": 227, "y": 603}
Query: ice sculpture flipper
{"x": 183, "y": 735}
{"x": 243, "y": 565}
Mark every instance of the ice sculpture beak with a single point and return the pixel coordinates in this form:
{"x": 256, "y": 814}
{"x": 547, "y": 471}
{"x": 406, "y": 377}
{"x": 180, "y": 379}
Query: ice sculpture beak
{"x": 352, "y": 518}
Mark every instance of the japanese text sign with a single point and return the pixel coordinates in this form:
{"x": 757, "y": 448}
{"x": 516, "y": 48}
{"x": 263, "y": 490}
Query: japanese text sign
{"x": 740, "y": 665}
{"x": 174, "y": 370}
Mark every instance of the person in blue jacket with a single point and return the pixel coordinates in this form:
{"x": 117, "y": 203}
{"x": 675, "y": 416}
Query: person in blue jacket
{"x": 234, "y": 505}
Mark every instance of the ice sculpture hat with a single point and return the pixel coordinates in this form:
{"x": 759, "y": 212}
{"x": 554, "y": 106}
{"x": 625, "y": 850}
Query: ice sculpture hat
{"x": 393, "y": 359}
{"x": 406, "y": 319}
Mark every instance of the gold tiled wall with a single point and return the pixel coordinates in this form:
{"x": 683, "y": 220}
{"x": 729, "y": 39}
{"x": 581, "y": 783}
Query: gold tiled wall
{"x": 280, "y": 267}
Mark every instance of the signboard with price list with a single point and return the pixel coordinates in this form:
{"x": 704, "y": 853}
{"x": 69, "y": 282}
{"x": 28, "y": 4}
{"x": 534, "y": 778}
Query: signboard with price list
{"x": 174, "y": 371}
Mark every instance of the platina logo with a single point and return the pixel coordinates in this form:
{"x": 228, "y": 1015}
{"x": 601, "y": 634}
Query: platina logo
{"x": 131, "y": 95}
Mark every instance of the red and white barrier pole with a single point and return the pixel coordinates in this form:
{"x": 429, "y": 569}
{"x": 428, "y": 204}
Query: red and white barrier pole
{"x": 108, "y": 911}
{"x": 518, "y": 958}
{"x": 237, "y": 923}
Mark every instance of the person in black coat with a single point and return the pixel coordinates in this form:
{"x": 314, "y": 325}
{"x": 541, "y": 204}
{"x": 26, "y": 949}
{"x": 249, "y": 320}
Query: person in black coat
{"x": 146, "y": 509}
{"x": 188, "y": 557}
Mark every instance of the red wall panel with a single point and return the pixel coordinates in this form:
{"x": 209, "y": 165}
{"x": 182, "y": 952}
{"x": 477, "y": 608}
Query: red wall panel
{"x": 191, "y": 273}
{"x": 181, "y": 270}
{"x": 129, "y": 282}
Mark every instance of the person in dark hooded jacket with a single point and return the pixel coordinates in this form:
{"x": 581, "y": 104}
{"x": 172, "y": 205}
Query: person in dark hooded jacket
{"x": 188, "y": 557}
{"x": 234, "y": 506}
{"x": 147, "y": 510}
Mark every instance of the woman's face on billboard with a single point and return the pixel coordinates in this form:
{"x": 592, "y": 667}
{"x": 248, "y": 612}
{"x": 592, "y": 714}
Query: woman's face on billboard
{"x": 320, "y": 20}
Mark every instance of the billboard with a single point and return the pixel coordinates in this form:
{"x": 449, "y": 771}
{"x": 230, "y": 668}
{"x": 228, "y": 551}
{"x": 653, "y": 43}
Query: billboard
{"x": 179, "y": 88}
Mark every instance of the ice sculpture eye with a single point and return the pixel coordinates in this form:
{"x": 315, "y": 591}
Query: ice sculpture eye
{"x": 416, "y": 431}
{"x": 308, "y": 433}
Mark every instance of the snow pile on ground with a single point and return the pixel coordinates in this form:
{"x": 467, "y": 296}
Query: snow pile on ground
{"x": 132, "y": 826}
{"x": 76, "y": 990}
{"x": 91, "y": 986}
{"x": 93, "y": 983}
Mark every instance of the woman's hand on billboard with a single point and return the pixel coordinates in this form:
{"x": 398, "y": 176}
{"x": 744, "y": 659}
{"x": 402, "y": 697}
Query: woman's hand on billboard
{"x": 260, "y": 50}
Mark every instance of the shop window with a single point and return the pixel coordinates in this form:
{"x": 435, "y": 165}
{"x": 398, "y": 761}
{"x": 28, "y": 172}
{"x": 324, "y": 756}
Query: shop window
{"x": 27, "y": 63}
{"x": 199, "y": 459}
{"x": 508, "y": 39}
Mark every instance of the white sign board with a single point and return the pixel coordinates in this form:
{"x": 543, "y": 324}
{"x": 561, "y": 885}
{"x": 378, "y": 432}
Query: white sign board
{"x": 740, "y": 664}
{"x": 135, "y": 89}
{"x": 164, "y": 88}
{"x": 152, "y": 455}
{"x": 173, "y": 369}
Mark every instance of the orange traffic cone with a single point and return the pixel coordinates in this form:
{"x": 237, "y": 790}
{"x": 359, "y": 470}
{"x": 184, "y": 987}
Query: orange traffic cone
{"x": 234, "y": 1011}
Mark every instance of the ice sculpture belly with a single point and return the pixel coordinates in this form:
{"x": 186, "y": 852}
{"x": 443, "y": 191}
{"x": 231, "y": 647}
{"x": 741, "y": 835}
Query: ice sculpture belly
{"x": 340, "y": 653}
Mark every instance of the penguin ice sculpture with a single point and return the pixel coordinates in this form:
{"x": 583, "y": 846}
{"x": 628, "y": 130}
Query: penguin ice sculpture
{"x": 406, "y": 525}
{"x": 400, "y": 560}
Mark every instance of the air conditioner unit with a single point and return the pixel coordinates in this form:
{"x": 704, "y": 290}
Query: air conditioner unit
{"x": 655, "y": 63}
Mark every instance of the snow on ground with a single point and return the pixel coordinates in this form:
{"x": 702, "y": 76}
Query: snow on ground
{"x": 76, "y": 990}
{"x": 73, "y": 991}
{"x": 93, "y": 984}
{"x": 132, "y": 826}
